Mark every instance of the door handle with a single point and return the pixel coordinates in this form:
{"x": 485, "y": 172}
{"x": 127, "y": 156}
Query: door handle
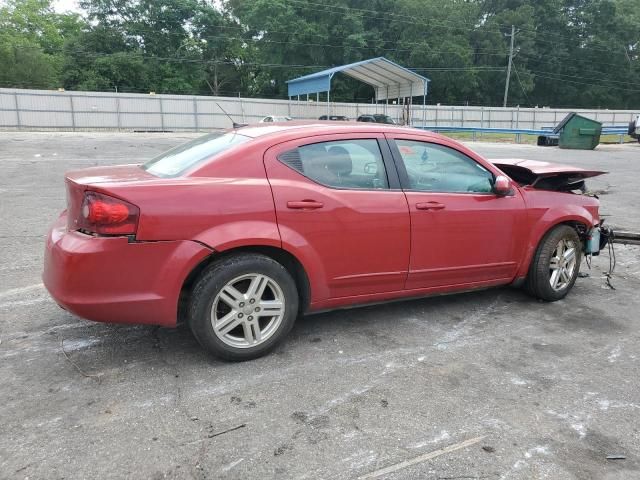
{"x": 429, "y": 206}
{"x": 305, "y": 205}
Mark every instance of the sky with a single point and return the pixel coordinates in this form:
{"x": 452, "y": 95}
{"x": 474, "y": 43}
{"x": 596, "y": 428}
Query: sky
{"x": 61, "y": 6}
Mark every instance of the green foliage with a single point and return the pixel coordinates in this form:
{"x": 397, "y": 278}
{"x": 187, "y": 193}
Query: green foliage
{"x": 31, "y": 36}
{"x": 580, "y": 53}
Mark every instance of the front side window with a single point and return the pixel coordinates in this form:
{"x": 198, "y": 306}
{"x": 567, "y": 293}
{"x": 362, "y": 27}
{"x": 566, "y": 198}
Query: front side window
{"x": 179, "y": 159}
{"x": 352, "y": 164}
{"x": 436, "y": 168}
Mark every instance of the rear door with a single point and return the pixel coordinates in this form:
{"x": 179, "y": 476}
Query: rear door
{"x": 462, "y": 233}
{"x": 339, "y": 205}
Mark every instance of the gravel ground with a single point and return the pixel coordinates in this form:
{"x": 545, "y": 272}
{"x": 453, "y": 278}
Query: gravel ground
{"x": 489, "y": 385}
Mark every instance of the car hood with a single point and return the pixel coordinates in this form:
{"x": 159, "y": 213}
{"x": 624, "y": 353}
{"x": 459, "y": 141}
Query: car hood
{"x": 543, "y": 169}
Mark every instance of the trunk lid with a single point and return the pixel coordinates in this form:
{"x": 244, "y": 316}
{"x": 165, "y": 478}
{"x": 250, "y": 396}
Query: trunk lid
{"x": 112, "y": 174}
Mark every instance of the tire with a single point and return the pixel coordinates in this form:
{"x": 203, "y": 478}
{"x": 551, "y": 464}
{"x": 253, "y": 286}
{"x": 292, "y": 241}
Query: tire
{"x": 541, "y": 282}
{"x": 248, "y": 325}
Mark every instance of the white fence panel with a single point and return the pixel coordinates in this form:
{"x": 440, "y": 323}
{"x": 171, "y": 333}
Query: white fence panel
{"x": 60, "y": 110}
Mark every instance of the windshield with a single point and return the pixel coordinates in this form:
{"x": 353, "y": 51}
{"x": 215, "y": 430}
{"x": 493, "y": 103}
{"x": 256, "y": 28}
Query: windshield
{"x": 177, "y": 160}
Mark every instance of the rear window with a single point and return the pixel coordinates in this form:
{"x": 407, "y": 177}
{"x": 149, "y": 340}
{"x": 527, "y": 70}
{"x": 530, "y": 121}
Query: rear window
{"x": 181, "y": 158}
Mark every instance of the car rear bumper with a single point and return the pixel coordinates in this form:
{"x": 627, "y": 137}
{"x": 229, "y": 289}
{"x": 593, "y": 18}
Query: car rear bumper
{"x": 109, "y": 279}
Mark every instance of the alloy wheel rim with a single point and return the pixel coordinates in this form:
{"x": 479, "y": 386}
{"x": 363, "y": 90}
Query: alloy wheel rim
{"x": 248, "y": 310}
{"x": 563, "y": 264}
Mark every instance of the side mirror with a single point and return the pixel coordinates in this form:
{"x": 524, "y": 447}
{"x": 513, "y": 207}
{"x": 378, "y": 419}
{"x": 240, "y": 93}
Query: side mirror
{"x": 502, "y": 186}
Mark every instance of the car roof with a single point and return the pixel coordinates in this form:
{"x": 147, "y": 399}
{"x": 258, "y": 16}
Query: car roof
{"x": 299, "y": 128}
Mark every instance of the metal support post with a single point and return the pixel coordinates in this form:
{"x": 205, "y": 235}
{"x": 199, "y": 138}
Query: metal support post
{"x": 18, "y": 119}
{"x": 73, "y": 113}
{"x": 534, "y": 120}
{"x": 328, "y": 103}
{"x": 118, "y": 113}
{"x": 386, "y": 106}
{"x": 161, "y": 114}
{"x": 195, "y": 114}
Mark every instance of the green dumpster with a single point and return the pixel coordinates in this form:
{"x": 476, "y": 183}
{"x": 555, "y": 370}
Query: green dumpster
{"x": 578, "y": 132}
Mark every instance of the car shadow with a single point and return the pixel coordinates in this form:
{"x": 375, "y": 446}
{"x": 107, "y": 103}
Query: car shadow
{"x": 104, "y": 347}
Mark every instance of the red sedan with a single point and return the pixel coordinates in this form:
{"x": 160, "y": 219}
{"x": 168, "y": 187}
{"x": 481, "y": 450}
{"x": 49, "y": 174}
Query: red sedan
{"x": 241, "y": 232}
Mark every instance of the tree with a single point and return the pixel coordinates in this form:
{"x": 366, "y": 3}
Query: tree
{"x": 31, "y": 40}
{"x": 578, "y": 53}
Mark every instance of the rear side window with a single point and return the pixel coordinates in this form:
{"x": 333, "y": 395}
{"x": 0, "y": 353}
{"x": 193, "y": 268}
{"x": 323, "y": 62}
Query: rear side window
{"x": 179, "y": 159}
{"x": 350, "y": 164}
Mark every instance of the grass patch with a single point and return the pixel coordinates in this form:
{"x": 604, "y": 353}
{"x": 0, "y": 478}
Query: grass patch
{"x": 524, "y": 139}
{"x": 491, "y": 137}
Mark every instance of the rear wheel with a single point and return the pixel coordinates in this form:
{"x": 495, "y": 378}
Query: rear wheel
{"x": 555, "y": 265}
{"x": 243, "y": 306}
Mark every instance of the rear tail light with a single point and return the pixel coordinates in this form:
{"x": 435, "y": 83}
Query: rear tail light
{"x": 105, "y": 215}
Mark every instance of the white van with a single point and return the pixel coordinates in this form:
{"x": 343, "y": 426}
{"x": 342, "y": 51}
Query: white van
{"x": 634, "y": 128}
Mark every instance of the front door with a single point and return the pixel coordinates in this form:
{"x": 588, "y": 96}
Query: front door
{"x": 341, "y": 209}
{"x": 462, "y": 234}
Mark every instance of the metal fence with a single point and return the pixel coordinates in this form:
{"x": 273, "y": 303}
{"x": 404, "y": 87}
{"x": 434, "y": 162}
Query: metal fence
{"x": 63, "y": 110}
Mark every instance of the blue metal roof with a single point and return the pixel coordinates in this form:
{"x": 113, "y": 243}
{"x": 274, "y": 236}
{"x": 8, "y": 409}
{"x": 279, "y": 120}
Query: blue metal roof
{"x": 389, "y": 79}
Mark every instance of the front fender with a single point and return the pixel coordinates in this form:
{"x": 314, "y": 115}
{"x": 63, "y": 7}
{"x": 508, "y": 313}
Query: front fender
{"x": 552, "y": 217}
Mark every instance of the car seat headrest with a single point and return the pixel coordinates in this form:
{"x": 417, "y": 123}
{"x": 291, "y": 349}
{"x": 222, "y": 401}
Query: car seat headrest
{"x": 339, "y": 161}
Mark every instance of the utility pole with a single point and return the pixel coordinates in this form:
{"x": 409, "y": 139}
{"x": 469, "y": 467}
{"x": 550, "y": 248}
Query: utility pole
{"x": 506, "y": 85}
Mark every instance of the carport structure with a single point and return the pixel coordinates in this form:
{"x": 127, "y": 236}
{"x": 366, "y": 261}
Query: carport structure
{"x": 388, "y": 79}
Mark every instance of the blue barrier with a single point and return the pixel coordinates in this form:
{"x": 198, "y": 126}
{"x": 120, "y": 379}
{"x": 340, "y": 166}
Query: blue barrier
{"x": 546, "y": 131}
{"x": 607, "y": 130}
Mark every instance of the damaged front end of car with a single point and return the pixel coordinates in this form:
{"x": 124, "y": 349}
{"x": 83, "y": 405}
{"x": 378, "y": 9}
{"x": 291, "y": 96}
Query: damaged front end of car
{"x": 556, "y": 177}
{"x": 545, "y": 175}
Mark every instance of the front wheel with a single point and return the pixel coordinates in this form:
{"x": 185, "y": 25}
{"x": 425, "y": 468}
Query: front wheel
{"x": 555, "y": 265}
{"x": 243, "y": 306}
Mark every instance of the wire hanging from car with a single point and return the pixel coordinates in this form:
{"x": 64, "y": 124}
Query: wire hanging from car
{"x": 612, "y": 259}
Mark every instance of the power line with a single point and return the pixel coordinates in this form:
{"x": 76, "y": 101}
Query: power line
{"x": 297, "y": 43}
{"x": 615, "y": 87}
{"x": 412, "y": 17}
{"x": 256, "y": 64}
{"x": 599, "y": 62}
{"x": 633, "y": 84}
{"x": 520, "y": 83}
{"x": 330, "y": 9}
